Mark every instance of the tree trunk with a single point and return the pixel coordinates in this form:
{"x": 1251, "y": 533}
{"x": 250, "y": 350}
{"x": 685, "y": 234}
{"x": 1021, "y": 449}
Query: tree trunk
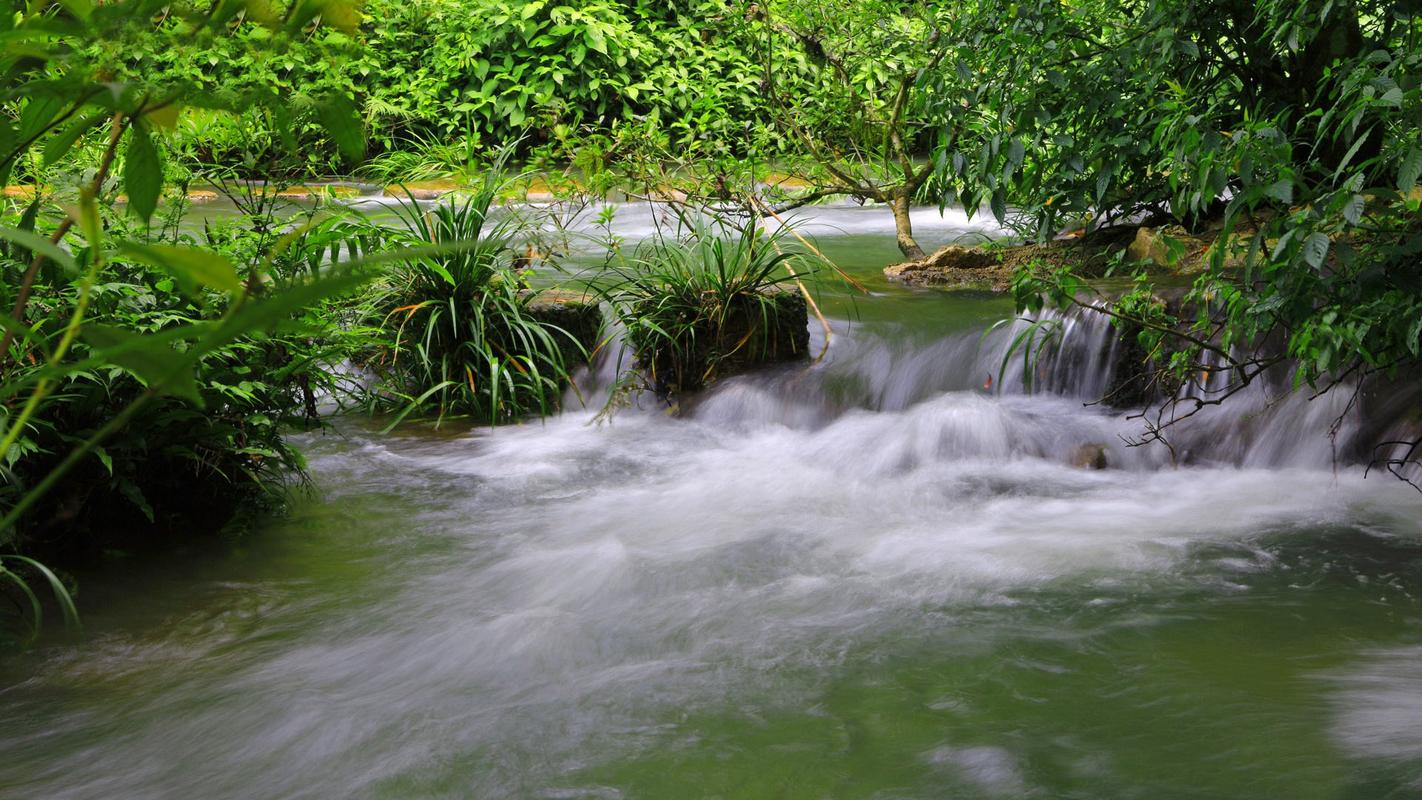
{"x": 903, "y": 228}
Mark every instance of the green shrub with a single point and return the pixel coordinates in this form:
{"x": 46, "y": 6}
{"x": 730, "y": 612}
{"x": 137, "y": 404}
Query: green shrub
{"x": 190, "y": 461}
{"x": 720, "y": 299}
{"x": 460, "y": 337}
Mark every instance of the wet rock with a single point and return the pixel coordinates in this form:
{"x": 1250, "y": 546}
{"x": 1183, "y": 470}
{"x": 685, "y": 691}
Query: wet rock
{"x": 955, "y": 267}
{"x": 576, "y": 312}
{"x": 1170, "y": 247}
{"x": 1174, "y": 249}
{"x": 991, "y": 269}
{"x": 200, "y": 196}
{"x": 422, "y": 190}
{"x": 536, "y": 189}
{"x": 20, "y": 192}
{"x": 1089, "y": 456}
{"x": 749, "y": 337}
{"x": 312, "y": 192}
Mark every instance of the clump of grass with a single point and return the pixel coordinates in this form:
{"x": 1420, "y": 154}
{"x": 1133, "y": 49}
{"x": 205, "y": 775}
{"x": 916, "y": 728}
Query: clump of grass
{"x": 715, "y": 301}
{"x": 425, "y": 158}
{"x": 461, "y": 336}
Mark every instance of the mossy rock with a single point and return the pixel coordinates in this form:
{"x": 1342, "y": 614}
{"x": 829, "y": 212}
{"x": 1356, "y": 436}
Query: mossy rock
{"x": 1174, "y": 249}
{"x": 772, "y": 328}
{"x": 576, "y": 312}
{"x": 990, "y": 269}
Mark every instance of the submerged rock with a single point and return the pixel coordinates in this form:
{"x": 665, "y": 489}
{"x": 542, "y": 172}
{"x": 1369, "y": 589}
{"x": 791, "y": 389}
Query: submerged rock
{"x": 1089, "y": 456}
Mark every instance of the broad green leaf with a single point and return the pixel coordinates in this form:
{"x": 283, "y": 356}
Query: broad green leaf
{"x": 39, "y": 244}
{"x": 79, "y": 8}
{"x": 61, "y": 143}
{"x": 595, "y": 40}
{"x": 1315, "y": 249}
{"x": 192, "y": 266}
{"x": 1353, "y": 209}
{"x": 341, "y": 119}
{"x": 1410, "y": 170}
{"x": 39, "y": 115}
{"x": 159, "y": 366}
{"x": 1016, "y": 152}
{"x": 999, "y": 205}
{"x": 142, "y": 173}
{"x": 165, "y": 117}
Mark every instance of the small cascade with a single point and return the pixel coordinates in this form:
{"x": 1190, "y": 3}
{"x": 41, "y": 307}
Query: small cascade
{"x": 970, "y": 394}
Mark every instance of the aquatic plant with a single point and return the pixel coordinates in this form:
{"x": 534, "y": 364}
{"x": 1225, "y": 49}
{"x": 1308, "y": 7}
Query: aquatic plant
{"x": 723, "y": 295}
{"x": 460, "y": 335}
{"x": 25, "y": 575}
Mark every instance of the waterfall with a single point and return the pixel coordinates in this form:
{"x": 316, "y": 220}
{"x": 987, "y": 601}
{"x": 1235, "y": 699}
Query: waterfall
{"x": 973, "y": 394}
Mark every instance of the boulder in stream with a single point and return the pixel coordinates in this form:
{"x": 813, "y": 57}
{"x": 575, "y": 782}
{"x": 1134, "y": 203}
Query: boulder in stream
{"x": 955, "y": 267}
{"x": 751, "y": 333}
{"x": 991, "y": 268}
{"x": 577, "y": 313}
{"x": 1089, "y": 456}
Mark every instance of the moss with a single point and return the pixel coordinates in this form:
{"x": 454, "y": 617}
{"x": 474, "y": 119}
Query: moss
{"x": 575, "y": 312}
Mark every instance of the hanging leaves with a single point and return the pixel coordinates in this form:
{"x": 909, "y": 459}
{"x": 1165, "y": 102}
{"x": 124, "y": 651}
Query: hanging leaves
{"x": 142, "y": 172}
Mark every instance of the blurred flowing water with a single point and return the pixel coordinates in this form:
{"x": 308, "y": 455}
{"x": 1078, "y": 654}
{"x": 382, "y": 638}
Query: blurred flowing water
{"x": 865, "y": 578}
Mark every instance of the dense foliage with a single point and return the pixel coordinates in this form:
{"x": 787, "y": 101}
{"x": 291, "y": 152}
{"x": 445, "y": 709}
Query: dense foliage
{"x": 429, "y": 73}
{"x": 1286, "y": 132}
{"x": 143, "y": 374}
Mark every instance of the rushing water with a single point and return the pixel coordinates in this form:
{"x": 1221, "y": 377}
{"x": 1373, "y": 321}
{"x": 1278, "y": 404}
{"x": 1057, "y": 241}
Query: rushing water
{"x": 866, "y": 578}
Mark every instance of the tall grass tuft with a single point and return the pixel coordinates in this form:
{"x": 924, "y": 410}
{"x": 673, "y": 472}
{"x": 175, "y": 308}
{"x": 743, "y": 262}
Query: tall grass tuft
{"x": 27, "y": 579}
{"x": 718, "y": 299}
{"x": 461, "y": 335}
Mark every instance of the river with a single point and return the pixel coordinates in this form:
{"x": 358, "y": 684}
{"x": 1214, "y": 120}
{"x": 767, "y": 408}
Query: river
{"x": 865, "y": 578}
